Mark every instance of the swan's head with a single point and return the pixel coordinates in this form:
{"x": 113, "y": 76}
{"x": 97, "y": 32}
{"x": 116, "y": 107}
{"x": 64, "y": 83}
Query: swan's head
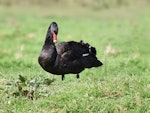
{"x": 54, "y": 30}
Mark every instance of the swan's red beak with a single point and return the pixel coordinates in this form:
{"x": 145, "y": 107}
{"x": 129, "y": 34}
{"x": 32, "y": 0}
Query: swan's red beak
{"x": 54, "y": 37}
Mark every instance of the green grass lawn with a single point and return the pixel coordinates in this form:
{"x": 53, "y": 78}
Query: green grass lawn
{"x": 121, "y": 37}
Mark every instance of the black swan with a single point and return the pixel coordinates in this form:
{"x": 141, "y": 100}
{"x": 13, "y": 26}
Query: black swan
{"x": 66, "y": 57}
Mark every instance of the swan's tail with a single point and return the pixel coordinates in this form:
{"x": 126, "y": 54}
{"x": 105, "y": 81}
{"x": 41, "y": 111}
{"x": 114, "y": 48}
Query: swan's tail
{"x": 91, "y": 60}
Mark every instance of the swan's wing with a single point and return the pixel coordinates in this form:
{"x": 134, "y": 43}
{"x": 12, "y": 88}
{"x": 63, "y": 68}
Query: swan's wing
{"x": 75, "y": 50}
{"x": 76, "y": 54}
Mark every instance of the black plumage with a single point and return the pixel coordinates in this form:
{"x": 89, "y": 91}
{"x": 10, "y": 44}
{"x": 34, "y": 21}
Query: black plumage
{"x": 66, "y": 57}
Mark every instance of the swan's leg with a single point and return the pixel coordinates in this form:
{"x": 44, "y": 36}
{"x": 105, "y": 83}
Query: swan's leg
{"x": 78, "y": 76}
{"x": 63, "y": 76}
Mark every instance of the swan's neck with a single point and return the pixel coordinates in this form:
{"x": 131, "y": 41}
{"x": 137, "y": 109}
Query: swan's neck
{"x": 49, "y": 39}
{"x": 48, "y": 55}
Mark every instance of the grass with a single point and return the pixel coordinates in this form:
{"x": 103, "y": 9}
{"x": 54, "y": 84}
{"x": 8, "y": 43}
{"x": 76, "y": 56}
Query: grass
{"x": 121, "y": 37}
